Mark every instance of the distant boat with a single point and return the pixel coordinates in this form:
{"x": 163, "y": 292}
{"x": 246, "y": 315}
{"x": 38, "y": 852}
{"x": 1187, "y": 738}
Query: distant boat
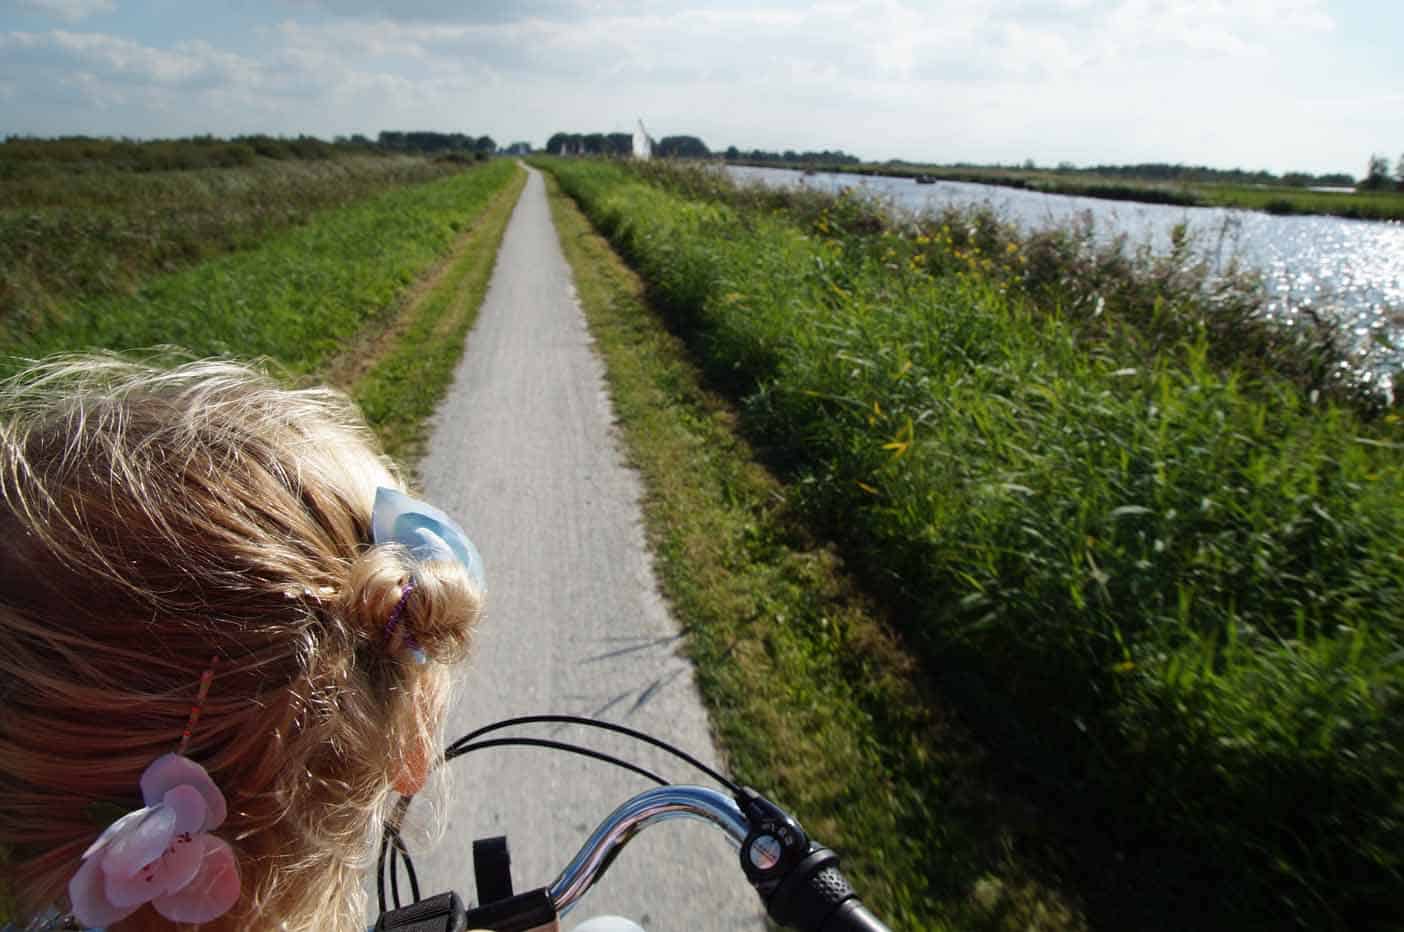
{"x": 925, "y": 179}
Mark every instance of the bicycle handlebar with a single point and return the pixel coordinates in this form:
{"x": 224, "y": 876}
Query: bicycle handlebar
{"x": 647, "y": 808}
{"x": 798, "y": 880}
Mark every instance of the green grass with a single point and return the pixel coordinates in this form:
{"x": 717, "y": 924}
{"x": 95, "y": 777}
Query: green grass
{"x": 1359, "y": 205}
{"x": 29, "y": 156}
{"x": 814, "y": 701}
{"x": 1165, "y": 585}
{"x": 401, "y": 389}
{"x": 1280, "y": 199}
{"x": 336, "y": 292}
{"x": 295, "y": 298}
{"x": 1136, "y": 302}
{"x": 71, "y": 232}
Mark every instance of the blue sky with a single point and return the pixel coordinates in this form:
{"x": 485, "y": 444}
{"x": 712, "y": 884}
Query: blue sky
{"x": 1277, "y": 84}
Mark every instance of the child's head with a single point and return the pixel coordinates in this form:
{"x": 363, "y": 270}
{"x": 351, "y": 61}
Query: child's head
{"x": 155, "y": 520}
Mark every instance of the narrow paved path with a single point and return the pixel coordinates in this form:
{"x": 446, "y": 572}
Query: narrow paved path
{"x": 523, "y": 453}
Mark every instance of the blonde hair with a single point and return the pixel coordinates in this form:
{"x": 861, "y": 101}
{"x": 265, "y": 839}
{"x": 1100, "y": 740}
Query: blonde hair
{"x": 153, "y": 518}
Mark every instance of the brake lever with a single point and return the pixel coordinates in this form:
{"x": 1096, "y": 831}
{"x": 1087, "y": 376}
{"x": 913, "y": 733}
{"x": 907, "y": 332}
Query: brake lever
{"x": 775, "y": 844}
{"x": 799, "y": 881}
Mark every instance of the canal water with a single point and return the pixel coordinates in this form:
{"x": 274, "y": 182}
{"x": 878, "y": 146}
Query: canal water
{"x": 1350, "y": 269}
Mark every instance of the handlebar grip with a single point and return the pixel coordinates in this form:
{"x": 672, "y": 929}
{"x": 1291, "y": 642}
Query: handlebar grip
{"x": 815, "y": 897}
{"x": 853, "y": 916}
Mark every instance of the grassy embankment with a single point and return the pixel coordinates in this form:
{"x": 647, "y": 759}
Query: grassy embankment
{"x": 289, "y": 261}
{"x": 1278, "y": 199}
{"x": 1162, "y": 580}
{"x": 71, "y": 230}
{"x": 814, "y": 700}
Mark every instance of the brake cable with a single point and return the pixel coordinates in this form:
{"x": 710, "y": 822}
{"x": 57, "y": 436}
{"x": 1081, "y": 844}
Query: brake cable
{"x": 393, "y": 843}
{"x": 592, "y": 723}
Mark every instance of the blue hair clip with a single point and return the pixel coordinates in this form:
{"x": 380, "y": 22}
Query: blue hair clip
{"x": 427, "y": 532}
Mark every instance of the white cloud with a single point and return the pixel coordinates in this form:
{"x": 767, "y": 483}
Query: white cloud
{"x": 883, "y": 77}
{"x": 70, "y": 11}
{"x": 862, "y": 40}
{"x": 185, "y": 65}
{"x": 457, "y": 11}
{"x": 1085, "y": 80}
{"x": 105, "y": 84}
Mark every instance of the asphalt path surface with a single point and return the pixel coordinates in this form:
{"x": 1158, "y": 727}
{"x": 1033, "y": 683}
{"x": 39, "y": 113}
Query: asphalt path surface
{"x": 523, "y": 452}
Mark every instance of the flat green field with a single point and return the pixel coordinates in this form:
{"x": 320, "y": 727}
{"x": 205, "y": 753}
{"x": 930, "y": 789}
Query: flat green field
{"x": 294, "y": 295}
{"x": 93, "y": 229}
{"x": 363, "y": 270}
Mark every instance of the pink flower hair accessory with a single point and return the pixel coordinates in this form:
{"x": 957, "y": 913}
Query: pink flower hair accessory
{"x": 161, "y": 854}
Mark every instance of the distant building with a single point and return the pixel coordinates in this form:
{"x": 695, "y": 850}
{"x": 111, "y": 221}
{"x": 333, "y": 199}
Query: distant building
{"x": 518, "y": 148}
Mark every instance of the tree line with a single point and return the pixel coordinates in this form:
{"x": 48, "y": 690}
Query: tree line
{"x": 196, "y": 152}
{"x": 424, "y": 142}
{"x": 1169, "y": 172}
{"x": 135, "y": 155}
{"x": 622, "y": 144}
{"x": 590, "y": 144}
{"x": 684, "y": 147}
{"x": 1378, "y": 176}
{"x": 808, "y": 157}
{"x": 1160, "y": 171}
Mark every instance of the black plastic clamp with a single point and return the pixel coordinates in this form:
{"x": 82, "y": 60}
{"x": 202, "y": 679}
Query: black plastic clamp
{"x": 492, "y": 869}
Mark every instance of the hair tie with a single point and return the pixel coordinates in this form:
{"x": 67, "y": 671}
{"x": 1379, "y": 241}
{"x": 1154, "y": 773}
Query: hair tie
{"x": 406, "y": 640}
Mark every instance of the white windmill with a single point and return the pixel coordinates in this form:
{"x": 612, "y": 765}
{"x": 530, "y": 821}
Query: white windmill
{"x": 643, "y": 143}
